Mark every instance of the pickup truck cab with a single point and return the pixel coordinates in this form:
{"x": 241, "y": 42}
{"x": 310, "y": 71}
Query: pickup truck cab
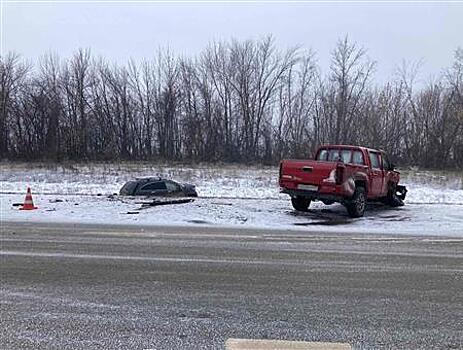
{"x": 350, "y": 175}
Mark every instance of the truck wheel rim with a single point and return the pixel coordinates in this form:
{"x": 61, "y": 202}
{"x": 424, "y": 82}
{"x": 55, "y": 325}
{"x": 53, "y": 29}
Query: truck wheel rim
{"x": 360, "y": 203}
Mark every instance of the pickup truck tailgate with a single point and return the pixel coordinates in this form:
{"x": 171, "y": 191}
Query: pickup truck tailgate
{"x": 310, "y": 172}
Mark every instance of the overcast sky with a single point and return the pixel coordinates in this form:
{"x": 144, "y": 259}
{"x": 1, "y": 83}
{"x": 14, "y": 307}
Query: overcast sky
{"x": 391, "y": 32}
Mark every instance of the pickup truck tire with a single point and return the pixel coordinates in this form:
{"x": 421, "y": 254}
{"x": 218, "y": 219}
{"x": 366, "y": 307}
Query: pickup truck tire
{"x": 356, "y": 206}
{"x": 300, "y": 203}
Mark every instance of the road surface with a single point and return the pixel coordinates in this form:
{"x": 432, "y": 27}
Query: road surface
{"x": 113, "y": 287}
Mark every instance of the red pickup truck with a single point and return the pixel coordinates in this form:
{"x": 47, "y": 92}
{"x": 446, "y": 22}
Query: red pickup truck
{"x": 350, "y": 175}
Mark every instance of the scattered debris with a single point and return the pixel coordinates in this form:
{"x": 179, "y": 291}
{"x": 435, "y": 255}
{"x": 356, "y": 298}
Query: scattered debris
{"x": 17, "y": 204}
{"x": 133, "y": 212}
{"x": 56, "y": 200}
{"x": 156, "y": 202}
{"x": 113, "y": 197}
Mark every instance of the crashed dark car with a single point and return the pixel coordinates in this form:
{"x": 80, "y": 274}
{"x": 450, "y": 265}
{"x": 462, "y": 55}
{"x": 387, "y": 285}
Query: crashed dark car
{"x": 156, "y": 186}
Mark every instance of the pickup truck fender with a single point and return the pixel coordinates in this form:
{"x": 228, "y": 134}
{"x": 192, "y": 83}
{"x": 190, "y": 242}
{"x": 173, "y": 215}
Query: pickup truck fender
{"x": 350, "y": 183}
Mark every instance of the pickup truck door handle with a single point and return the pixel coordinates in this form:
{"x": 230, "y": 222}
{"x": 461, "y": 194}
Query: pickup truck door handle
{"x": 307, "y": 169}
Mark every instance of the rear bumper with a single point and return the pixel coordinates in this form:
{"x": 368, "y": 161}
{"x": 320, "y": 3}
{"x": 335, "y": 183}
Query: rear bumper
{"x": 325, "y": 190}
{"x": 314, "y": 195}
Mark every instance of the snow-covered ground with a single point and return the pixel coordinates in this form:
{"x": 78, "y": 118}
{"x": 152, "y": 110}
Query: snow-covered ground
{"x": 416, "y": 219}
{"x": 230, "y": 195}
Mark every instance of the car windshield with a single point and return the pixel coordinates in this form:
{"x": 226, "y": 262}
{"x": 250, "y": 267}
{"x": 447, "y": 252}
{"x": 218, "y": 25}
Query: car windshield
{"x": 334, "y": 155}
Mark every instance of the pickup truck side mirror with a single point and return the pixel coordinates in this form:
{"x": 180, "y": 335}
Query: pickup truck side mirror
{"x": 391, "y": 166}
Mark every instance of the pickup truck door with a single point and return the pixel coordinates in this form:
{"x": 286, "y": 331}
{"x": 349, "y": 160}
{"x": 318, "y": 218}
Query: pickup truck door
{"x": 376, "y": 175}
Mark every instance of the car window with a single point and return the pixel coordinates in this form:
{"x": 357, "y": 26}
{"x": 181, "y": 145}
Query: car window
{"x": 333, "y": 155}
{"x": 386, "y": 165}
{"x": 323, "y": 155}
{"x": 374, "y": 159}
{"x": 129, "y": 188}
{"x": 346, "y": 155}
{"x": 153, "y": 186}
{"x": 380, "y": 160}
{"x": 172, "y": 187}
{"x": 358, "y": 158}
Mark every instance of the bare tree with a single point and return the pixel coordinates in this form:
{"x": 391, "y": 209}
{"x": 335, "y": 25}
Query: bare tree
{"x": 13, "y": 73}
{"x": 351, "y": 71}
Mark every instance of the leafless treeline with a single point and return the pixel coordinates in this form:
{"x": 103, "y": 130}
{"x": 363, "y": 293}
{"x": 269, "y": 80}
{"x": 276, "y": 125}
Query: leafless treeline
{"x": 237, "y": 101}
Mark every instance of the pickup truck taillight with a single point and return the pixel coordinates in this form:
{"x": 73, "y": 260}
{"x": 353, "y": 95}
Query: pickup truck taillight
{"x": 339, "y": 173}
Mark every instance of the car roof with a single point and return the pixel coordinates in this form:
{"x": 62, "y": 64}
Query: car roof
{"x": 149, "y": 179}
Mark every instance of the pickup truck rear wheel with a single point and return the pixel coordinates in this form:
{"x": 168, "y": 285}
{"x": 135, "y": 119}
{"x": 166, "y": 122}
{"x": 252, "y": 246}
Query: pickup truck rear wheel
{"x": 356, "y": 206}
{"x": 300, "y": 203}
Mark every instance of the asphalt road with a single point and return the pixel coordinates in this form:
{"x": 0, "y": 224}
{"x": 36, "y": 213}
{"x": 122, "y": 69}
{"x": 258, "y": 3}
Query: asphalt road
{"x": 102, "y": 287}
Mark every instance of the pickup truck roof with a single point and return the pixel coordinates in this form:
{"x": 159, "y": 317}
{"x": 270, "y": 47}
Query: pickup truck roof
{"x": 349, "y": 147}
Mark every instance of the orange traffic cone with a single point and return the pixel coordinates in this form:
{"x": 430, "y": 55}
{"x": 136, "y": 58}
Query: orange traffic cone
{"x": 28, "y": 203}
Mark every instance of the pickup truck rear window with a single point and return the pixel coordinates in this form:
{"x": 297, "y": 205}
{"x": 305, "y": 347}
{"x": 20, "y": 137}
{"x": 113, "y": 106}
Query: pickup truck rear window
{"x": 346, "y": 155}
{"x": 334, "y": 155}
{"x": 328, "y": 155}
